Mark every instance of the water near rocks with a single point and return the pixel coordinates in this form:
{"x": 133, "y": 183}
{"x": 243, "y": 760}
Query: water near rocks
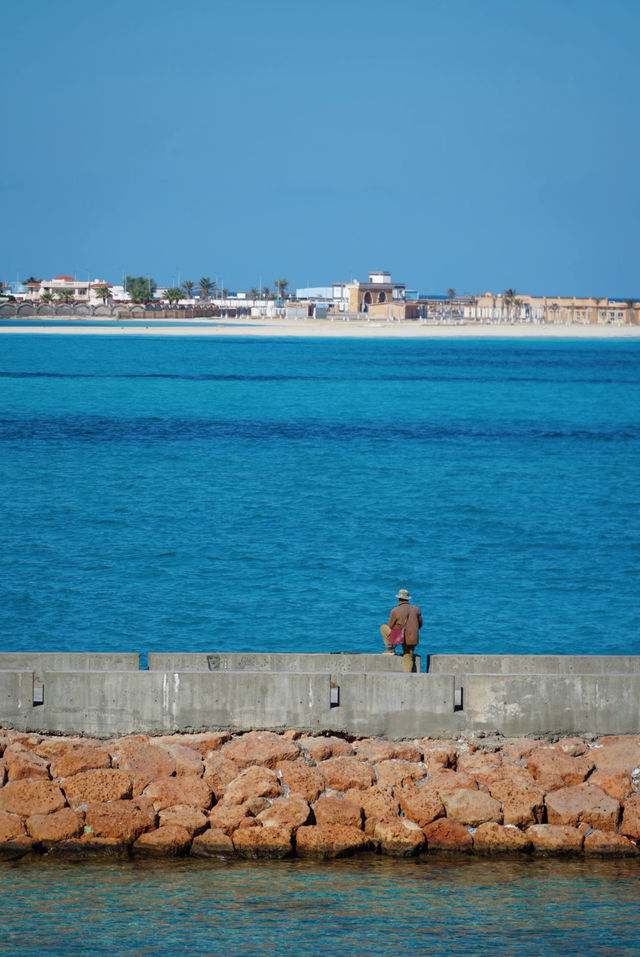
{"x": 369, "y": 908}
{"x": 183, "y": 494}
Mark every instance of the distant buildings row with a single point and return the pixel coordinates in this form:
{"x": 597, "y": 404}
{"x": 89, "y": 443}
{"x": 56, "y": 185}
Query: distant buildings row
{"x": 376, "y": 298}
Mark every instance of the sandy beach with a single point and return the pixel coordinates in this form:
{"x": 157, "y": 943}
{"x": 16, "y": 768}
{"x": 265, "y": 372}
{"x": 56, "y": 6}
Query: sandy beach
{"x": 325, "y": 328}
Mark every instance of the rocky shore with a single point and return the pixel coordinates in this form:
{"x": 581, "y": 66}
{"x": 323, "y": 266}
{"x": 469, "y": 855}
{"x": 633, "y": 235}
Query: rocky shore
{"x": 264, "y": 795}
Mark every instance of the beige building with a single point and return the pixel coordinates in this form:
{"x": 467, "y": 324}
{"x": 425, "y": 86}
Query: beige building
{"x": 360, "y": 296}
{"x": 555, "y": 309}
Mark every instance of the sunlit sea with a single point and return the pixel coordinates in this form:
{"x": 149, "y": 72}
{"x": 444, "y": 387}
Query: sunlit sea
{"x": 432, "y": 907}
{"x": 164, "y": 494}
{"x": 169, "y": 494}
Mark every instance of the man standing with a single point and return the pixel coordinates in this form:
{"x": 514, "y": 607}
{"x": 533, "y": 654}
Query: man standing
{"x": 408, "y": 617}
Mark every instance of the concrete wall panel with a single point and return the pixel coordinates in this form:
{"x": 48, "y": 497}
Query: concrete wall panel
{"x": 39, "y": 662}
{"x": 547, "y": 704}
{"x": 16, "y": 698}
{"x": 282, "y": 662}
{"x": 460, "y": 665}
{"x": 122, "y": 702}
{"x": 394, "y": 705}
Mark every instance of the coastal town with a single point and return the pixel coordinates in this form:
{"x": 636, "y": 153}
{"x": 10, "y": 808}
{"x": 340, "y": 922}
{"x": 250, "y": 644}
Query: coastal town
{"x": 378, "y": 298}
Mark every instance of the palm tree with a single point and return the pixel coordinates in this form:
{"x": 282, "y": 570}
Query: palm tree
{"x": 187, "y": 285}
{"x": 630, "y": 304}
{"x": 173, "y": 294}
{"x": 597, "y": 300}
{"x": 102, "y": 292}
{"x": 65, "y": 295}
{"x": 281, "y": 286}
{"x": 266, "y": 292}
{"x": 253, "y": 293}
{"x": 206, "y": 287}
{"x": 451, "y": 293}
{"x": 518, "y": 303}
{"x": 509, "y": 297}
{"x": 46, "y": 297}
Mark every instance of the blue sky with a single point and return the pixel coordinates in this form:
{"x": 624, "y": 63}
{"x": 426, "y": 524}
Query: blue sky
{"x": 479, "y": 144}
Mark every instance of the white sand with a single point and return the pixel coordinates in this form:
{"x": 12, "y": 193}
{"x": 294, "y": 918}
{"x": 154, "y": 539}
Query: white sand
{"x": 332, "y": 328}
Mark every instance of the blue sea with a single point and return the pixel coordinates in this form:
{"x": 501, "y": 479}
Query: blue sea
{"x": 197, "y": 494}
{"x": 432, "y": 907}
{"x": 163, "y": 494}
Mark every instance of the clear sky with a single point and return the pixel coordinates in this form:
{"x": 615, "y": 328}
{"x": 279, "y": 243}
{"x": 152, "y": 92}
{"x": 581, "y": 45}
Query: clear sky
{"x": 474, "y": 144}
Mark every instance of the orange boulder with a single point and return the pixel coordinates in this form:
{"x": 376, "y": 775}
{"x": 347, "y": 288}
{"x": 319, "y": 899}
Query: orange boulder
{"x": 583, "y": 803}
{"x": 123, "y": 821}
{"x": 22, "y": 763}
{"x": 395, "y": 773}
{"x": 252, "y": 782}
{"x": 630, "y": 825}
{"x": 337, "y": 810}
{"x": 324, "y": 841}
{"x": 73, "y": 761}
{"x": 471, "y": 807}
{"x": 555, "y": 839}
{"x": 191, "y": 818}
{"x": 522, "y": 803}
{"x": 286, "y": 812}
{"x": 11, "y": 826}
{"x": 168, "y": 841}
{"x": 260, "y": 748}
{"x": 186, "y": 789}
{"x": 554, "y": 769}
{"x": 444, "y": 835}
{"x": 29, "y": 797}
{"x": 105, "y": 784}
{"x": 492, "y": 838}
{"x": 619, "y": 752}
{"x": 420, "y": 804}
{"x": 267, "y": 843}
{"x": 323, "y": 747}
{"x": 142, "y": 761}
{"x": 59, "y": 826}
{"x": 617, "y": 784}
{"x": 342, "y": 773}
{"x": 219, "y": 772}
{"x": 301, "y": 779}
{"x": 212, "y": 843}
{"x": 399, "y": 837}
{"x": 374, "y": 750}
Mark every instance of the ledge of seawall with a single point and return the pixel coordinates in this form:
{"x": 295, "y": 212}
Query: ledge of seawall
{"x": 353, "y": 694}
{"x": 261, "y": 795}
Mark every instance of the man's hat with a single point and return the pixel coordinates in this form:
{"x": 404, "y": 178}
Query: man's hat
{"x": 403, "y": 593}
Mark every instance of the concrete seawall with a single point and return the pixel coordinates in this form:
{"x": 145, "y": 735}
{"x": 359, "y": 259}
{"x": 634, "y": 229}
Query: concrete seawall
{"x": 105, "y": 695}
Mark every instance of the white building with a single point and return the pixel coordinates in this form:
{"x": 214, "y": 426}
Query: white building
{"x": 81, "y": 290}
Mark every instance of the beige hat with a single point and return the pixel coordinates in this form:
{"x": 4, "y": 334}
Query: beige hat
{"x": 403, "y": 593}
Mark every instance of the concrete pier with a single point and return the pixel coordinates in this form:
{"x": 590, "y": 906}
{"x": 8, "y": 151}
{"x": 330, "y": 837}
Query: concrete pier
{"x": 105, "y": 695}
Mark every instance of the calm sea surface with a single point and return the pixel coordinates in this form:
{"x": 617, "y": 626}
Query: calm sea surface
{"x": 374, "y": 908}
{"x": 157, "y": 493}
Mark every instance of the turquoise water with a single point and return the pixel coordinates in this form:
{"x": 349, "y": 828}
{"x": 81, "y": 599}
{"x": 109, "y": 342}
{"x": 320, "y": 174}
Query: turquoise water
{"x": 347, "y": 909}
{"x": 157, "y": 492}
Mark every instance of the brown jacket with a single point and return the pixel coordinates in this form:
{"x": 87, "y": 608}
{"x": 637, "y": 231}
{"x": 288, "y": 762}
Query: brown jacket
{"x": 398, "y": 617}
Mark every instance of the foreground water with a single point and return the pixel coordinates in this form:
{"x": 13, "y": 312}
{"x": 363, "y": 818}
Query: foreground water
{"x": 196, "y": 494}
{"x": 351, "y": 908}
{"x": 185, "y": 494}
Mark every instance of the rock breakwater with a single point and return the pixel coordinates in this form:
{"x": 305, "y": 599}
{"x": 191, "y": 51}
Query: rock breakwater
{"x": 264, "y": 795}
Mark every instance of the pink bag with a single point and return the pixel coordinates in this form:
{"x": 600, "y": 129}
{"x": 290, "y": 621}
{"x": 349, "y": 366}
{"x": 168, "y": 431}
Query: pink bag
{"x": 396, "y": 636}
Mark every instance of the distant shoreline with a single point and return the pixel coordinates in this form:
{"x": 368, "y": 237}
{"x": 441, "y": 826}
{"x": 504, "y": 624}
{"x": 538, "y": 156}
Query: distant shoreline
{"x": 320, "y": 328}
